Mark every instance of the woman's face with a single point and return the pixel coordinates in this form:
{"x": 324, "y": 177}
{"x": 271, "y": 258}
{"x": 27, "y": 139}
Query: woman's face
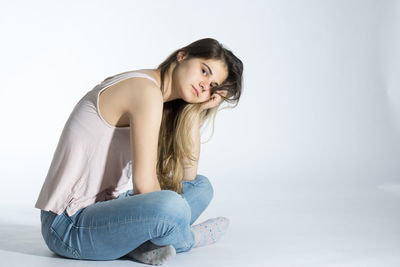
{"x": 194, "y": 78}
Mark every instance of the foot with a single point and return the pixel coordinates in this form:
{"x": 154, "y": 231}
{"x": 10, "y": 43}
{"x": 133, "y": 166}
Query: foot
{"x": 210, "y": 231}
{"x": 152, "y": 254}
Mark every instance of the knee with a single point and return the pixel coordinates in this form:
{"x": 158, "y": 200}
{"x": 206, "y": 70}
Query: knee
{"x": 198, "y": 193}
{"x": 173, "y": 206}
{"x": 205, "y": 186}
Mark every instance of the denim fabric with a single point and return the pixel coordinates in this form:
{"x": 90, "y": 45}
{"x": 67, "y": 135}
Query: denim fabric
{"x": 110, "y": 229}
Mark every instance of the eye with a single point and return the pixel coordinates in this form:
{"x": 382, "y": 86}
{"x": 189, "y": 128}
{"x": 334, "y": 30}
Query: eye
{"x": 204, "y": 71}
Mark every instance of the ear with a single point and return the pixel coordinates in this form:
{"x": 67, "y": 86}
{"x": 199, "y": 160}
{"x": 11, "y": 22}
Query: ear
{"x": 181, "y": 56}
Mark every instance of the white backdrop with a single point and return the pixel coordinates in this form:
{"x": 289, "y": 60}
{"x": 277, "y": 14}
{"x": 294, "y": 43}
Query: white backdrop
{"x": 319, "y": 116}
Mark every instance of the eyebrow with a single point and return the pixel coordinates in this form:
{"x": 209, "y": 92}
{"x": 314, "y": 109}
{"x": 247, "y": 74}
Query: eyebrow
{"x": 209, "y": 69}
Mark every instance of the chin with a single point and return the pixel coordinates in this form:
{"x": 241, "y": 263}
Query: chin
{"x": 191, "y": 99}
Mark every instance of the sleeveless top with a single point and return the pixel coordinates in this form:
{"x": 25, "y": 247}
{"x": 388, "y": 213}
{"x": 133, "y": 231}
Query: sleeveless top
{"x": 92, "y": 161}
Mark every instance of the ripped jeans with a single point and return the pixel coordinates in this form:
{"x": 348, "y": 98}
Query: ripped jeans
{"x": 110, "y": 229}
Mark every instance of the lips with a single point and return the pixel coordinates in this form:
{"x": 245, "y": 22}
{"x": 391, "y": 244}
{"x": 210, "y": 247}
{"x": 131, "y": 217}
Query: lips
{"x": 195, "y": 90}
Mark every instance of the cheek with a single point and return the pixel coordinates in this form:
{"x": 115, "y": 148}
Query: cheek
{"x": 186, "y": 77}
{"x": 193, "y": 74}
{"x": 206, "y": 98}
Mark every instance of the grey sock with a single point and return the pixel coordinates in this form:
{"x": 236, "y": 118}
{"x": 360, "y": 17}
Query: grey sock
{"x": 152, "y": 254}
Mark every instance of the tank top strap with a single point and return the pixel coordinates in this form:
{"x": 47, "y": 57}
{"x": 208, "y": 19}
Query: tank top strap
{"x": 144, "y": 75}
{"x": 129, "y": 74}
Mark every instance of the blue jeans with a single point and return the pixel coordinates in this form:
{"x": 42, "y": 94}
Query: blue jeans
{"x": 110, "y": 229}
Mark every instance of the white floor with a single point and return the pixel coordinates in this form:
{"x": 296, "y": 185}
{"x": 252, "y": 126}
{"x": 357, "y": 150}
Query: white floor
{"x": 286, "y": 224}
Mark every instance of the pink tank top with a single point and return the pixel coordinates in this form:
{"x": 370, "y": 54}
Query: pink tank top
{"x": 92, "y": 161}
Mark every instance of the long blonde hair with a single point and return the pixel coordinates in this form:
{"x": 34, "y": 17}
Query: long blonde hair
{"x": 174, "y": 142}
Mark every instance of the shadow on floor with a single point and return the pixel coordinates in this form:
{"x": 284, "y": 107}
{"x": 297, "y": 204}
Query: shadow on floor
{"x": 24, "y": 239}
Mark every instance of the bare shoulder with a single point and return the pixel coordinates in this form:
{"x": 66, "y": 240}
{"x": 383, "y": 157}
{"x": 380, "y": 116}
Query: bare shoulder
{"x": 137, "y": 93}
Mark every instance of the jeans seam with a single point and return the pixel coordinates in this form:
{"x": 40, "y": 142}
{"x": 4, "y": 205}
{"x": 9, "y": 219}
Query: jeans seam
{"x": 74, "y": 251}
{"x": 131, "y": 221}
{"x": 192, "y": 182}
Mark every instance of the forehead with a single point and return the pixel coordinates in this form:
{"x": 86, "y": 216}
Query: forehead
{"x": 218, "y": 68}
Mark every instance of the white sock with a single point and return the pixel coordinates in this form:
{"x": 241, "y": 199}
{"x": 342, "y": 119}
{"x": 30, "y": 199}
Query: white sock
{"x": 210, "y": 231}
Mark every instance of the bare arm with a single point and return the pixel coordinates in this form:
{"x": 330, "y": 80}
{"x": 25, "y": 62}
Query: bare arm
{"x": 190, "y": 167}
{"x": 144, "y": 105}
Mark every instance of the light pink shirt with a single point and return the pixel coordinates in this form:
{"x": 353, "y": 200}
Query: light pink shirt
{"x": 92, "y": 161}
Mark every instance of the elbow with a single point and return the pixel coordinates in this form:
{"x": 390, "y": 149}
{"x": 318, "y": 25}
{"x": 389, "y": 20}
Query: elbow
{"x": 143, "y": 188}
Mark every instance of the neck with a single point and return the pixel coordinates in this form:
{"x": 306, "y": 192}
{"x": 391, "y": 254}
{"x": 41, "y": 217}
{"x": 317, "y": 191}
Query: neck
{"x": 169, "y": 93}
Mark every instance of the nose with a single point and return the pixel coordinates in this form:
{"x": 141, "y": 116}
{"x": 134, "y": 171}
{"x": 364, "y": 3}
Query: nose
{"x": 204, "y": 86}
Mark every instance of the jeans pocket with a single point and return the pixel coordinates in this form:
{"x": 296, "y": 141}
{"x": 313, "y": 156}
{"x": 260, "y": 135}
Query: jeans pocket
{"x": 60, "y": 236}
{"x": 60, "y": 247}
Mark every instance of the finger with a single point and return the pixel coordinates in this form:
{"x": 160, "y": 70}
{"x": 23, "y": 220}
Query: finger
{"x": 223, "y": 93}
{"x": 218, "y": 98}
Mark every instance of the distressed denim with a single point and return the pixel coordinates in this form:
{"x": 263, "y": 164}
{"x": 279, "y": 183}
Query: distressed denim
{"x": 110, "y": 229}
